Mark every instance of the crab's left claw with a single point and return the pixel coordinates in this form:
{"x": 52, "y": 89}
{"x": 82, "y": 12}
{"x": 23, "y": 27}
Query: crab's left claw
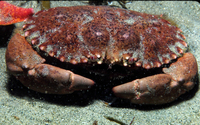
{"x": 10, "y": 14}
{"x": 162, "y": 88}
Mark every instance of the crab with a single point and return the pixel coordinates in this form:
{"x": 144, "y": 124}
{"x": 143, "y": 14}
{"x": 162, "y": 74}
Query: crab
{"x": 91, "y": 36}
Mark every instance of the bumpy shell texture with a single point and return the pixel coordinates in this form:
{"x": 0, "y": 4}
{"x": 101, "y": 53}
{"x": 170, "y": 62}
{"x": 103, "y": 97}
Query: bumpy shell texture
{"x": 102, "y": 34}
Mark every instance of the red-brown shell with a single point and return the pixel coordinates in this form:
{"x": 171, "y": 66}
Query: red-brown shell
{"x": 104, "y": 34}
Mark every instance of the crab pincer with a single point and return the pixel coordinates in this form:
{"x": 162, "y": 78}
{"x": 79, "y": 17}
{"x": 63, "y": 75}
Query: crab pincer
{"x": 30, "y": 69}
{"x": 161, "y": 88}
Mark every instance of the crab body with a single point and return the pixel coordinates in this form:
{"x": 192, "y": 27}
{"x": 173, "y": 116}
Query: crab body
{"x": 88, "y": 36}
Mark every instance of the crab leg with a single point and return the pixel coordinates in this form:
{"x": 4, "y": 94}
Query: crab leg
{"x": 29, "y": 67}
{"x": 161, "y": 88}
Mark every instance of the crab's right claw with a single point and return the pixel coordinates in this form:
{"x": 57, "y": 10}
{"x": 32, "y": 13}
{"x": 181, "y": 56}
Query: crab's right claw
{"x": 46, "y": 78}
{"x": 162, "y": 88}
{"x": 29, "y": 67}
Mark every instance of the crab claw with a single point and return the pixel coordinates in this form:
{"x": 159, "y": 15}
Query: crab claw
{"x": 29, "y": 67}
{"x": 55, "y": 80}
{"x": 161, "y": 88}
{"x": 49, "y": 79}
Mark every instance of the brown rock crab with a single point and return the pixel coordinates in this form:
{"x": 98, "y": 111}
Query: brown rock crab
{"x": 88, "y": 36}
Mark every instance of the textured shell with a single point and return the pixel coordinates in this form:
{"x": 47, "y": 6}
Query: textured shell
{"x": 102, "y": 34}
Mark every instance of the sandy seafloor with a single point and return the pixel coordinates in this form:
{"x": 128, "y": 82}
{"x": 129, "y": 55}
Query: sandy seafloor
{"x": 20, "y": 106}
